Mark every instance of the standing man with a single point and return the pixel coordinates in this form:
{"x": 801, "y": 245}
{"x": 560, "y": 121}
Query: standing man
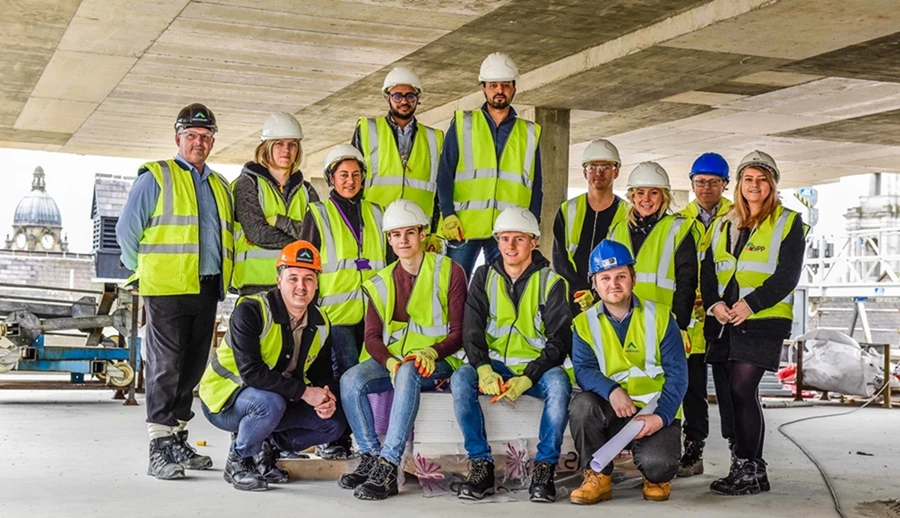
{"x": 269, "y": 382}
{"x": 709, "y": 179}
{"x": 583, "y": 221}
{"x": 401, "y": 154}
{"x": 517, "y": 337}
{"x": 176, "y": 233}
{"x": 491, "y": 160}
{"x": 627, "y": 352}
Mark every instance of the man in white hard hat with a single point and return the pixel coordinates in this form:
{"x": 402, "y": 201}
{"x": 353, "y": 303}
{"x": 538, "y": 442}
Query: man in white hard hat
{"x": 491, "y": 160}
{"x": 413, "y": 330}
{"x": 401, "y": 154}
{"x": 517, "y": 338}
{"x": 583, "y": 221}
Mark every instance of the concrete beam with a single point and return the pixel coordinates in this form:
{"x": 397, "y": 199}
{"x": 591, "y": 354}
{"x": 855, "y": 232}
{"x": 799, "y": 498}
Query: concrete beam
{"x": 555, "y": 167}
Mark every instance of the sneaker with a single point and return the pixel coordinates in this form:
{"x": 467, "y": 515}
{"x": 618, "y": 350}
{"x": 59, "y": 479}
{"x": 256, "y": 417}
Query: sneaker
{"x": 692, "y": 461}
{"x": 762, "y": 475}
{"x": 657, "y": 492}
{"x": 267, "y": 467}
{"x": 382, "y": 482}
{"x": 596, "y": 487}
{"x": 480, "y": 481}
{"x": 359, "y": 475}
{"x": 162, "y": 462}
{"x": 241, "y": 472}
{"x": 740, "y": 481}
{"x": 542, "y": 487}
{"x": 186, "y": 455}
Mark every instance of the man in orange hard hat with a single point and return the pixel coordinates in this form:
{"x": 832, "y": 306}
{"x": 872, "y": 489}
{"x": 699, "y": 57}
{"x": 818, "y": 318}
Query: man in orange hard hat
{"x": 271, "y": 380}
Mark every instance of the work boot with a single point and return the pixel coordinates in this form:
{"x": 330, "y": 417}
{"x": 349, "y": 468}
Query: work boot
{"x": 382, "y": 482}
{"x": 741, "y": 480}
{"x": 692, "y": 461}
{"x": 542, "y": 487}
{"x": 596, "y": 487}
{"x": 762, "y": 475}
{"x": 267, "y": 467}
{"x": 480, "y": 481}
{"x": 359, "y": 475}
{"x": 241, "y": 472}
{"x": 335, "y": 450}
{"x": 657, "y": 492}
{"x": 186, "y": 455}
{"x": 162, "y": 462}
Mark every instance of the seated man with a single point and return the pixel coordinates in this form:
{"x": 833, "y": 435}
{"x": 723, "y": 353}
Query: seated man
{"x": 413, "y": 327}
{"x": 626, "y": 353}
{"x": 517, "y": 336}
{"x": 268, "y": 382}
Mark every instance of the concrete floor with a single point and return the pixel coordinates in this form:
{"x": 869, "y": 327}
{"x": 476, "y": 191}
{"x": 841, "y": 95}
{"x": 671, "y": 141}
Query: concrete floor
{"x": 78, "y": 453}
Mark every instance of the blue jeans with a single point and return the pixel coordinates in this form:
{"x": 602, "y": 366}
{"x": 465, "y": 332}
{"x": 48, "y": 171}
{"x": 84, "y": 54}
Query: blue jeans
{"x": 553, "y": 387}
{"x": 346, "y": 344}
{"x": 466, "y": 253}
{"x": 257, "y": 415}
{"x": 369, "y": 377}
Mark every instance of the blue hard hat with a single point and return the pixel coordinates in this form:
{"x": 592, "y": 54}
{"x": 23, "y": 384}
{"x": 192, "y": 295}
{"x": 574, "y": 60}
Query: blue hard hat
{"x": 710, "y": 163}
{"x": 608, "y": 255}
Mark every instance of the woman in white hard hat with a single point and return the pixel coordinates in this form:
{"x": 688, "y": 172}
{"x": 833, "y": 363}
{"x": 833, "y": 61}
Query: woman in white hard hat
{"x": 270, "y": 200}
{"x": 747, "y": 281}
{"x": 662, "y": 243}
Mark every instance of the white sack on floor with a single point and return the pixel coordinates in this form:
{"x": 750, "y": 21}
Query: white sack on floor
{"x": 834, "y": 362}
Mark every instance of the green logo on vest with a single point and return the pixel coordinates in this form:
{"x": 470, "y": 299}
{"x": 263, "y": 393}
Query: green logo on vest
{"x": 631, "y": 347}
{"x": 753, "y": 248}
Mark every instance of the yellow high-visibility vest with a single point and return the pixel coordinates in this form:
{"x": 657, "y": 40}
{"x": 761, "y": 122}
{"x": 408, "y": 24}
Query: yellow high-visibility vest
{"x": 574, "y": 212}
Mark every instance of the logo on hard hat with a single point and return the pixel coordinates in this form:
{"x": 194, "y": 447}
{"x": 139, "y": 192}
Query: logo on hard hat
{"x": 609, "y": 263}
{"x": 305, "y": 254}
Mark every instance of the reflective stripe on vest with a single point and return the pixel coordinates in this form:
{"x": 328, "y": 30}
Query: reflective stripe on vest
{"x": 574, "y": 211}
{"x": 340, "y": 281}
{"x": 389, "y": 179}
{"x": 169, "y": 250}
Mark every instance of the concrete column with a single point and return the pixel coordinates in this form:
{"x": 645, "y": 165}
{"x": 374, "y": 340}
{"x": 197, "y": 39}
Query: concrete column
{"x": 555, "y": 166}
{"x": 680, "y": 199}
{"x": 318, "y": 182}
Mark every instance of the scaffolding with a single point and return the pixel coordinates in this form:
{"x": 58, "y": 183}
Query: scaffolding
{"x": 860, "y": 264}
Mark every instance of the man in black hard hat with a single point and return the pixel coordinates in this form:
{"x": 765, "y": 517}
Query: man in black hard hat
{"x": 176, "y": 234}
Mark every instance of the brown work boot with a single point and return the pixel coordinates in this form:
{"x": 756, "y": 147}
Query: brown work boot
{"x": 657, "y": 492}
{"x": 596, "y": 487}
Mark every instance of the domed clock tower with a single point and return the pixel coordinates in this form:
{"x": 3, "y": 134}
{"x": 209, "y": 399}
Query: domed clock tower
{"x": 37, "y": 224}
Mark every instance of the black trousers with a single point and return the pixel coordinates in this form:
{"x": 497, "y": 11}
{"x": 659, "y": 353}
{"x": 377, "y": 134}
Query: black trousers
{"x": 179, "y": 333}
{"x": 695, "y": 405}
{"x": 723, "y": 400}
{"x": 593, "y": 422}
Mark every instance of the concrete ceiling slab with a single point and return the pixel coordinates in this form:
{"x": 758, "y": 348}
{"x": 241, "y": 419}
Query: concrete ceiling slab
{"x": 627, "y": 120}
{"x": 80, "y": 76}
{"x": 59, "y": 115}
{"x": 119, "y": 28}
{"x": 775, "y": 78}
{"x": 879, "y": 128}
{"x": 874, "y": 59}
{"x": 704, "y": 98}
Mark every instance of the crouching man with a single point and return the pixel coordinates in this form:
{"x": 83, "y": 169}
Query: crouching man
{"x": 626, "y": 352}
{"x": 268, "y": 382}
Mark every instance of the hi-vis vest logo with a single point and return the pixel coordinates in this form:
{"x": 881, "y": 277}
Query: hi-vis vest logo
{"x": 753, "y": 248}
{"x": 630, "y": 348}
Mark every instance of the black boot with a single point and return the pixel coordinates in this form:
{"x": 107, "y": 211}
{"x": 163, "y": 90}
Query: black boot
{"x": 382, "y": 482}
{"x": 741, "y": 480}
{"x": 692, "y": 461}
{"x": 359, "y": 475}
{"x": 335, "y": 450}
{"x": 542, "y": 487}
{"x": 186, "y": 455}
{"x": 241, "y": 472}
{"x": 480, "y": 481}
{"x": 762, "y": 475}
{"x": 267, "y": 467}
{"x": 162, "y": 462}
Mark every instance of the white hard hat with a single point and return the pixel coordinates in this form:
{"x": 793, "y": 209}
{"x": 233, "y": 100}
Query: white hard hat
{"x": 516, "y": 219}
{"x": 340, "y": 153}
{"x": 281, "y": 125}
{"x": 498, "y": 67}
{"x": 600, "y": 150}
{"x": 402, "y": 214}
{"x": 648, "y": 174}
{"x": 401, "y": 76}
{"x": 759, "y": 159}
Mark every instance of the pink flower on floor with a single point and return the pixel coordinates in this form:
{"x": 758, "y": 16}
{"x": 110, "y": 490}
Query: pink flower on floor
{"x": 516, "y": 463}
{"x": 429, "y": 475}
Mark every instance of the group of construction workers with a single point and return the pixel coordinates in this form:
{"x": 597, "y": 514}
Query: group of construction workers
{"x": 373, "y": 288}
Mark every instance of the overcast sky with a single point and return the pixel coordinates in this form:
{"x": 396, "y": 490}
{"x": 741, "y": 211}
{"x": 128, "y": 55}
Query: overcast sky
{"x": 70, "y": 181}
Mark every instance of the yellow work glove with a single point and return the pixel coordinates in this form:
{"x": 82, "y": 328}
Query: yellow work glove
{"x": 584, "y": 298}
{"x": 452, "y": 229}
{"x": 392, "y": 365}
{"x": 489, "y": 381}
{"x": 515, "y": 387}
{"x": 271, "y": 220}
{"x": 687, "y": 342}
{"x": 425, "y": 360}
{"x": 434, "y": 243}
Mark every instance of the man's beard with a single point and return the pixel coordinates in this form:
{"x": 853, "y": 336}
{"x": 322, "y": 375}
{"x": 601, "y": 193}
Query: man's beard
{"x": 499, "y": 105}
{"x": 402, "y": 116}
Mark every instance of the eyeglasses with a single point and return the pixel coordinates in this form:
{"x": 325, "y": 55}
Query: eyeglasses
{"x": 192, "y": 136}
{"x": 410, "y": 97}
{"x": 708, "y": 183}
{"x": 601, "y": 168}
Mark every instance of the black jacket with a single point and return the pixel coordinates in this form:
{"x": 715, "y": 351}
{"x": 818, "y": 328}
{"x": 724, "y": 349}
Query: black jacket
{"x": 594, "y": 229}
{"x": 245, "y": 327}
{"x": 556, "y": 315}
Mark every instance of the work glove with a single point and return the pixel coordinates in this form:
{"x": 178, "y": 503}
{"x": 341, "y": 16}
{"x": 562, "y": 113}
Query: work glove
{"x": 452, "y": 229}
{"x": 434, "y": 243}
{"x": 584, "y": 298}
{"x": 687, "y": 342}
{"x": 699, "y": 313}
{"x": 392, "y": 365}
{"x": 271, "y": 220}
{"x": 489, "y": 382}
{"x": 425, "y": 360}
{"x": 515, "y": 387}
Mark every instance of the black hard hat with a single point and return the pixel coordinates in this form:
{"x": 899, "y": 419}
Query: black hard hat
{"x": 196, "y": 116}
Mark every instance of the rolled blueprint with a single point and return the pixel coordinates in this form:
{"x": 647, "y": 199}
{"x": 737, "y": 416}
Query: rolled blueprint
{"x": 614, "y": 446}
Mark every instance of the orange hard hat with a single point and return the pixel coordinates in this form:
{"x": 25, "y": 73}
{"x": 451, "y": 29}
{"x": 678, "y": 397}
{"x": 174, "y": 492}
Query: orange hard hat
{"x": 300, "y": 254}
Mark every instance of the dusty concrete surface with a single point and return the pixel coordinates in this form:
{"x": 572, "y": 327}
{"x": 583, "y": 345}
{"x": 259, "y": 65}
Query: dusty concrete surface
{"x": 81, "y": 454}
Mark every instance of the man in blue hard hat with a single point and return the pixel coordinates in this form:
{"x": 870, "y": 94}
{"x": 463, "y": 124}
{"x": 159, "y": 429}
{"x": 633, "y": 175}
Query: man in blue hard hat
{"x": 627, "y": 352}
{"x": 709, "y": 179}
